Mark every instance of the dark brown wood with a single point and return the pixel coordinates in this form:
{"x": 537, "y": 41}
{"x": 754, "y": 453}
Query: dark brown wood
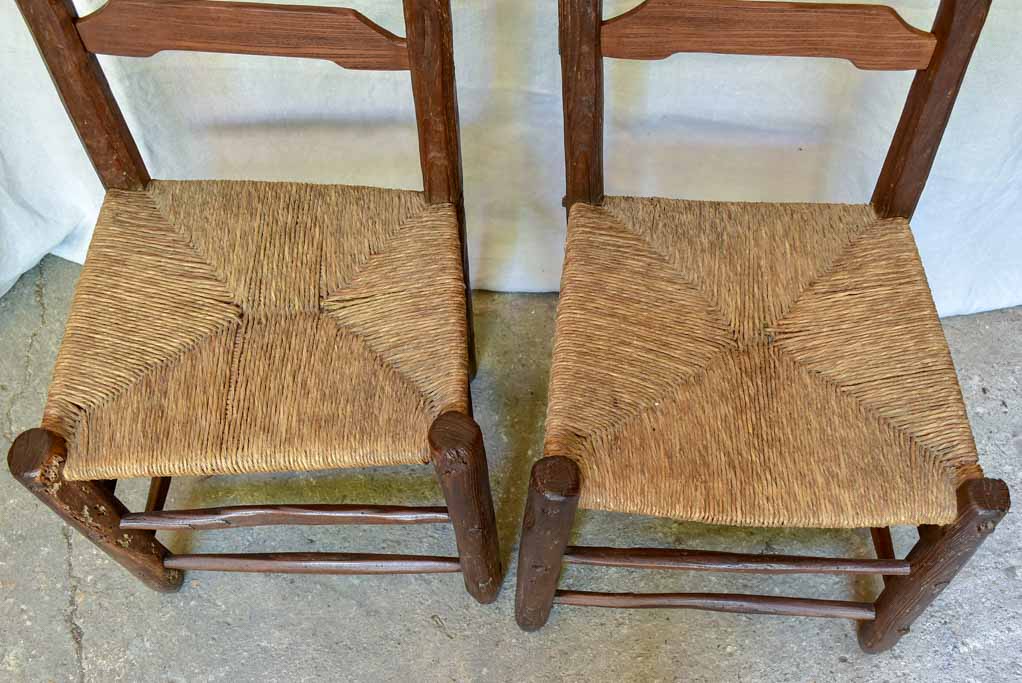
{"x": 706, "y": 560}
{"x": 141, "y": 28}
{"x": 430, "y": 41}
{"x": 36, "y": 460}
{"x": 316, "y": 563}
{"x": 456, "y": 447}
{"x": 431, "y": 56}
{"x": 546, "y": 528}
{"x": 869, "y": 36}
{"x": 582, "y": 90}
{"x": 85, "y": 93}
{"x": 159, "y": 487}
{"x": 269, "y": 515}
{"x": 928, "y": 109}
{"x": 721, "y": 602}
{"x": 883, "y": 544}
{"x": 982, "y": 503}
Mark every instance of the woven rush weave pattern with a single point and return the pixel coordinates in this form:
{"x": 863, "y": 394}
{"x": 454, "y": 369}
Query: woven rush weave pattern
{"x": 756, "y": 365}
{"x": 224, "y": 327}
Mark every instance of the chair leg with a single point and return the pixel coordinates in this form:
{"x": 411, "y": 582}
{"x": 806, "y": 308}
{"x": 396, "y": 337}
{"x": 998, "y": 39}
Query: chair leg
{"x": 546, "y": 527}
{"x": 36, "y": 460}
{"x": 935, "y": 560}
{"x": 456, "y": 447}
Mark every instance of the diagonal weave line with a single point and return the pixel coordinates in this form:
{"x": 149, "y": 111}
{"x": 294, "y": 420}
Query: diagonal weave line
{"x": 871, "y": 329}
{"x": 612, "y": 283}
{"x": 229, "y": 401}
{"x": 590, "y": 384}
{"x": 130, "y": 315}
{"x": 751, "y": 260}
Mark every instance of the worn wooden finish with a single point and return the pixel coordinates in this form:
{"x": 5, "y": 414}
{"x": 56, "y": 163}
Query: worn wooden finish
{"x": 936, "y": 559}
{"x": 36, "y": 460}
{"x": 582, "y": 90}
{"x": 85, "y": 93}
{"x": 159, "y": 487}
{"x": 269, "y": 515}
{"x": 456, "y": 447}
{"x": 430, "y": 41}
{"x": 141, "y": 28}
{"x": 546, "y": 527}
{"x": 706, "y": 560}
{"x": 431, "y": 56}
{"x": 869, "y": 36}
{"x": 928, "y": 109}
{"x": 883, "y": 544}
{"x": 721, "y": 602}
{"x": 316, "y": 563}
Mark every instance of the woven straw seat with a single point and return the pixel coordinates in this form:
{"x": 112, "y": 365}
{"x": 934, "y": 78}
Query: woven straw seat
{"x": 755, "y": 365}
{"x": 230, "y": 327}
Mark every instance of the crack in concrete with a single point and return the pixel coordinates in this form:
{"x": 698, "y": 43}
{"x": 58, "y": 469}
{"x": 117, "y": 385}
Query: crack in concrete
{"x": 22, "y": 383}
{"x": 71, "y": 613}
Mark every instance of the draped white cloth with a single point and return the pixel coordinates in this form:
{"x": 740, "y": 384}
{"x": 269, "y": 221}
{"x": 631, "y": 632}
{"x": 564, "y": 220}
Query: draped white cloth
{"x": 691, "y": 126}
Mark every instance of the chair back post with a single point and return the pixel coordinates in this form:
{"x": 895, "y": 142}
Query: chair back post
{"x": 429, "y": 36}
{"x": 928, "y": 108}
{"x": 582, "y": 91}
{"x": 85, "y": 93}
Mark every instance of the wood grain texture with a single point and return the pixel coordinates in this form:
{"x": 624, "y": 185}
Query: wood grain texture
{"x": 869, "y": 36}
{"x": 141, "y": 28}
{"x": 928, "y": 108}
{"x": 582, "y": 92}
{"x": 456, "y": 448}
{"x": 431, "y": 56}
{"x": 85, "y": 93}
{"x": 721, "y": 602}
{"x": 549, "y": 515}
{"x": 159, "y": 487}
{"x": 36, "y": 460}
{"x": 883, "y": 544}
{"x": 706, "y": 560}
{"x": 271, "y": 515}
{"x": 316, "y": 563}
{"x": 935, "y": 560}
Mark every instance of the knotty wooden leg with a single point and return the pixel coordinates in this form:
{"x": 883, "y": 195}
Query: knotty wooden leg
{"x": 36, "y": 459}
{"x": 456, "y": 447}
{"x": 935, "y": 560}
{"x": 546, "y": 526}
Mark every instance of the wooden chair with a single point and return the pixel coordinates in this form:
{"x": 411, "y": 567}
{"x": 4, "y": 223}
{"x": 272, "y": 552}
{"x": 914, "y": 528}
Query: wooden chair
{"x": 235, "y": 327}
{"x": 776, "y": 365}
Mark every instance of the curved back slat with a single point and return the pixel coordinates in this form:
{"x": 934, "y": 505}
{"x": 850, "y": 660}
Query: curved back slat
{"x": 869, "y": 36}
{"x": 141, "y": 28}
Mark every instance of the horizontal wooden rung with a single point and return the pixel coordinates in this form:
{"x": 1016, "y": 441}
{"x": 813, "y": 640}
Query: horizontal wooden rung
{"x": 708, "y": 560}
{"x": 269, "y": 515}
{"x": 315, "y": 563}
{"x": 722, "y": 602}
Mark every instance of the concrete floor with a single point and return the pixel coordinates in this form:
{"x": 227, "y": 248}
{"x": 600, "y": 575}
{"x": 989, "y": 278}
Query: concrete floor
{"x": 67, "y": 613}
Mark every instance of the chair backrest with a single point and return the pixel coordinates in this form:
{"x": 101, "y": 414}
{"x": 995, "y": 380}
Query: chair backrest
{"x": 142, "y": 28}
{"x": 870, "y": 36}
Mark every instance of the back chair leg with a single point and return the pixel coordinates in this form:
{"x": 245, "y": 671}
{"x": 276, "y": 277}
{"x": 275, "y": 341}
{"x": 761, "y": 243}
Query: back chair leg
{"x": 36, "y": 459}
{"x": 940, "y": 553}
{"x": 546, "y": 528}
{"x": 456, "y": 447}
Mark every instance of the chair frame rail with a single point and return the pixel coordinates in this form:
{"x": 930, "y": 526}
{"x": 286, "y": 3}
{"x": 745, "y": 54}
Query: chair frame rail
{"x": 871, "y": 37}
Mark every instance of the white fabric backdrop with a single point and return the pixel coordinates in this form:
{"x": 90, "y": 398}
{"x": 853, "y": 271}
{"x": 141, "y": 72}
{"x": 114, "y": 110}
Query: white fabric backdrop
{"x": 692, "y": 126}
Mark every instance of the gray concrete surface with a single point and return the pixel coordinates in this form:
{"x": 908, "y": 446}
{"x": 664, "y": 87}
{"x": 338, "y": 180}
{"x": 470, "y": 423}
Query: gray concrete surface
{"x": 69, "y": 614}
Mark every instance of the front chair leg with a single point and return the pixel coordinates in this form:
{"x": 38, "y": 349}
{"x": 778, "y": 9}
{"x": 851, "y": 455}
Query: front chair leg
{"x": 36, "y": 459}
{"x": 456, "y": 447}
{"x": 940, "y": 553}
{"x": 546, "y": 528}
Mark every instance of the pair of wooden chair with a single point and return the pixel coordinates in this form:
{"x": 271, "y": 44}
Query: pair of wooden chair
{"x": 742, "y": 364}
